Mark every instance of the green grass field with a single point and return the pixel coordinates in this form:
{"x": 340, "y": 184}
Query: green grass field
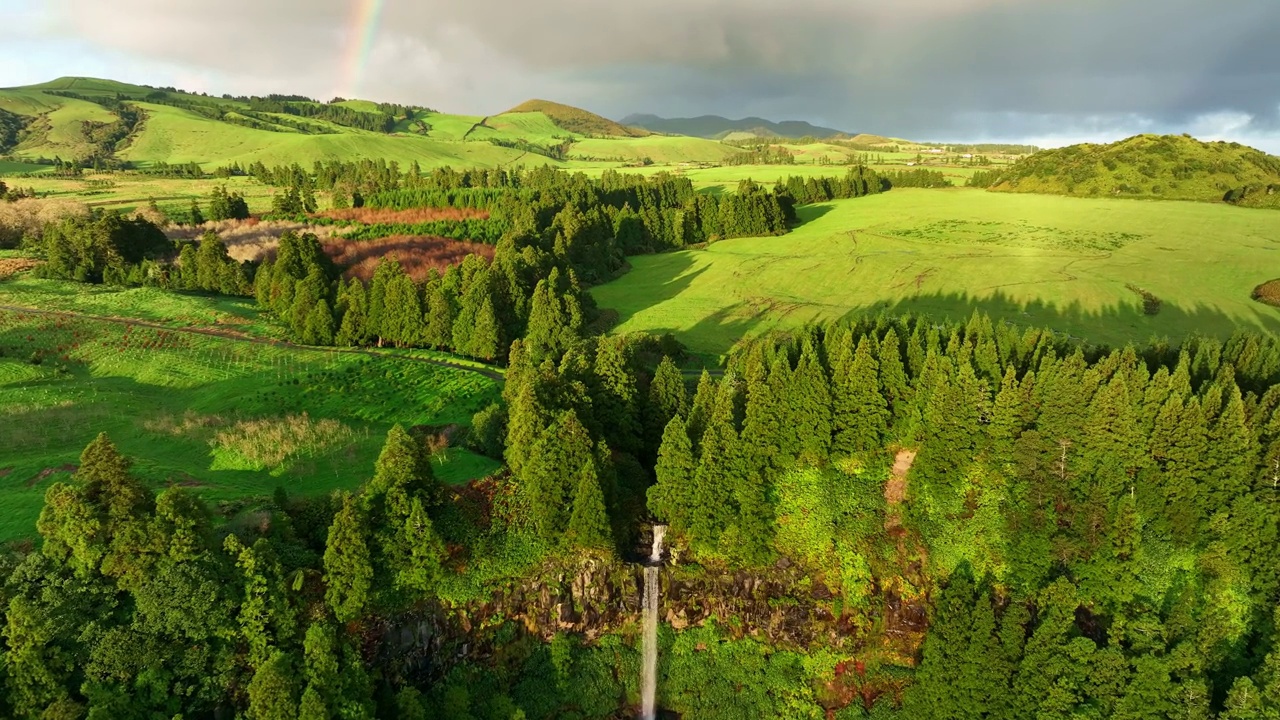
{"x": 1033, "y": 260}
{"x": 222, "y": 415}
{"x": 128, "y": 191}
{"x": 8, "y": 168}
{"x": 661, "y": 149}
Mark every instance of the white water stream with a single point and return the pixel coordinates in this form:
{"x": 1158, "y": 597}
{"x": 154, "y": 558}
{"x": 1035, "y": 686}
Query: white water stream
{"x": 649, "y": 679}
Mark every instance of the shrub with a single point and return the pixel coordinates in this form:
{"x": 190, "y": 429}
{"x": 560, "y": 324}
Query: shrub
{"x": 1268, "y": 293}
{"x": 1150, "y": 303}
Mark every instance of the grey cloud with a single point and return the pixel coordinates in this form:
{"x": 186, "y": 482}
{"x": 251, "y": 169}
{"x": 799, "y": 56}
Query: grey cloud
{"x": 912, "y": 67}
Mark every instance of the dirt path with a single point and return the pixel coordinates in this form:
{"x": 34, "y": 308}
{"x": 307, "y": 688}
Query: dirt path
{"x": 241, "y": 337}
{"x": 895, "y": 490}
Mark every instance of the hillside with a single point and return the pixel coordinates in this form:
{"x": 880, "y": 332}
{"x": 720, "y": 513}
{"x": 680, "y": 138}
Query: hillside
{"x": 1175, "y": 167}
{"x": 112, "y": 124}
{"x": 577, "y": 120}
{"x": 717, "y": 128}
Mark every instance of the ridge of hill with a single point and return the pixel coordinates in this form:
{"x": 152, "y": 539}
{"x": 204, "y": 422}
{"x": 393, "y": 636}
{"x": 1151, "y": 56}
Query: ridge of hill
{"x": 105, "y": 123}
{"x": 1175, "y": 167}
{"x": 716, "y": 127}
{"x": 576, "y": 120}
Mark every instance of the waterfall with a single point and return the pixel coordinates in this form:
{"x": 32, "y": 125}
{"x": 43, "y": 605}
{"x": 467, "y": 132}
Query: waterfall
{"x": 649, "y": 679}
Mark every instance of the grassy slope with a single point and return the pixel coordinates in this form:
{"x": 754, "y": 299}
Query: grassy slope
{"x": 1163, "y": 166}
{"x": 1030, "y": 259}
{"x": 576, "y": 120}
{"x": 178, "y": 136}
{"x": 136, "y": 394}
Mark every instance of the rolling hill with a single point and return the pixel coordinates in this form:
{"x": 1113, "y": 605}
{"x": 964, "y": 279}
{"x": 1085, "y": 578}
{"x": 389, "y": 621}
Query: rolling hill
{"x": 717, "y": 127}
{"x": 108, "y": 122}
{"x": 577, "y": 120}
{"x": 1176, "y": 167}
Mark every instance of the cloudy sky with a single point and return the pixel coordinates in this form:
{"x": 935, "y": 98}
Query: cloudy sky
{"x": 1045, "y": 71}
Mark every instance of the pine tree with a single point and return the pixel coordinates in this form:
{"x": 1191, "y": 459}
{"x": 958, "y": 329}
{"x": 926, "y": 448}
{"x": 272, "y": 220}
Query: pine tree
{"x": 717, "y": 475}
{"x": 811, "y": 405}
{"x": 671, "y": 497}
{"x": 319, "y": 326}
{"x": 782, "y": 408}
{"x": 197, "y": 217}
{"x": 401, "y": 322}
{"x": 353, "y": 330}
{"x": 347, "y": 569}
{"x": 615, "y": 396}
{"x": 762, "y": 428}
{"x": 667, "y": 398}
{"x": 1006, "y": 420}
{"x": 549, "y": 475}
{"x": 704, "y": 399}
{"x": 860, "y": 412}
{"x": 403, "y": 464}
{"x": 1231, "y": 455}
{"x": 486, "y": 337}
{"x": 421, "y": 568}
{"x": 441, "y": 312}
{"x": 589, "y": 522}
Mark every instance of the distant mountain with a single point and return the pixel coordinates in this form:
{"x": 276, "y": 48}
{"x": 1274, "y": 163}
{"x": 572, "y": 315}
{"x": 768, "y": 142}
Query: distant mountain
{"x": 577, "y": 120}
{"x": 716, "y": 127}
{"x": 1175, "y": 167}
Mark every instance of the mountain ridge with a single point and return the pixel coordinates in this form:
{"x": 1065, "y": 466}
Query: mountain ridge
{"x": 715, "y": 127}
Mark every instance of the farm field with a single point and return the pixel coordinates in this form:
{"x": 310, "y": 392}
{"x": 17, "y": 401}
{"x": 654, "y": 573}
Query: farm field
{"x": 229, "y": 418}
{"x": 131, "y": 191}
{"x": 1032, "y": 260}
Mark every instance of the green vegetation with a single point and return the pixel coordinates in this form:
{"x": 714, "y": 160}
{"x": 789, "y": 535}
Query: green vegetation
{"x": 1027, "y": 259}
{"x": 1160, "y": 166}
{"x": 200, "y": 407}
{"x": 962, "y": 454}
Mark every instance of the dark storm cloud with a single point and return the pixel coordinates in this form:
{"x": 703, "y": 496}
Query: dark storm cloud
{"x": 933, "y": 68}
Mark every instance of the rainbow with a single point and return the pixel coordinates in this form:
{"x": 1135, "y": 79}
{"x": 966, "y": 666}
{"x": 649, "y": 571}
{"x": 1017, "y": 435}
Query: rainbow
{"x": 363, "y": 26}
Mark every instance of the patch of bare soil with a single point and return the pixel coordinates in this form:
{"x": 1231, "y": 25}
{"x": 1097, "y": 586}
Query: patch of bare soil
{"x": 13, "y": 266}
{"x": 895, "y": 491}
{"x": 45, "y": 473}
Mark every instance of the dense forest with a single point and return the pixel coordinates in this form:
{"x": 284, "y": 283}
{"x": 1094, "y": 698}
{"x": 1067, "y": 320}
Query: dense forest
{"x": 1093, "y": 531}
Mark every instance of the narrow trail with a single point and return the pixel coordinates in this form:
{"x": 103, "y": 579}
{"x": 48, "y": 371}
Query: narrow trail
{"x": 239, "y": 337}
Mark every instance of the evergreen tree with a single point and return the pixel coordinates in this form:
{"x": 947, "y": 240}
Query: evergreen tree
{"x": 550, "y": 472}
{"x": 704, "y": 399}
{"x": 667, "y": 398}
{"x": 860, "y": 412}
{"x": 347, "y": 569}
{"x": 616, "y": 398}
{"x": 353, "y": 330}
{"x": 672, "y": 497}
{"x": 421, "y": 567}
{"x": 589, "y": 522}
{"x": 441, "y": 312}
{"x": 811, "y": 405}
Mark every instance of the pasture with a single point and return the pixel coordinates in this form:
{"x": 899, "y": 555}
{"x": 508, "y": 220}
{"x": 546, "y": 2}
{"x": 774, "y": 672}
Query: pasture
{"x": 228, "y": 417}
{"x": 1028, "y": 259}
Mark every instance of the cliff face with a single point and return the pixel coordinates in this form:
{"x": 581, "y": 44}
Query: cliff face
{"x": 783, "y": 607}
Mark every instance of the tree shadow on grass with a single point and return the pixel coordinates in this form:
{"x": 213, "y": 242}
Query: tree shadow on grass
{"x": 809, "y": 213}
{"x": 1111, "y": 325}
